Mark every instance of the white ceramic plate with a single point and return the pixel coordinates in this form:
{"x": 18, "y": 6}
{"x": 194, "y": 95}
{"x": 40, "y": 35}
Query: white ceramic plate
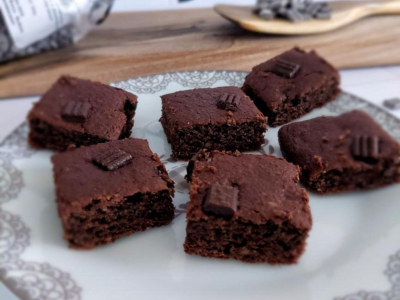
{"x": 352, "y": 253}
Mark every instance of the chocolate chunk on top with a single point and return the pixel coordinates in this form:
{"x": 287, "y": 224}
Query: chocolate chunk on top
{"x": 365, "y": 147}
{"x": 221, "y": 200}
{"x": 229, "y": 102}
{"x": 76, "y": 112}
{"x": 112, "y": 159}
{"x": 285, "y": 68}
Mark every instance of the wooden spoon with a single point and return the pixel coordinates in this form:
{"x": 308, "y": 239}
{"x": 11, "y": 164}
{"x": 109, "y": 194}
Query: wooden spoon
{"x": 343, "y": 13}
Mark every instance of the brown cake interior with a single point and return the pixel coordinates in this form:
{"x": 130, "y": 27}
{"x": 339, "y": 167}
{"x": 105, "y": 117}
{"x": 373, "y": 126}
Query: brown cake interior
{"x": 272, "y": 243}
{"x": 104, "y": 221}
{"x": 343, "y": 180}
{"x": 187, "y": 142}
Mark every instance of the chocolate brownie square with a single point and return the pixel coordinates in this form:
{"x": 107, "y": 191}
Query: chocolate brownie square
{"x": 247, "y": 207}
{"x": 80, "y": 112}
{"x": 348, "y": 152}
{"x": 110, "y": 190}
{"x": 215, "y": 119}
{"x": 291, "y": 85}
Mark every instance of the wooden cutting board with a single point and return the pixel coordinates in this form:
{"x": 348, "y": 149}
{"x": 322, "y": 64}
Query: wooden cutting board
{"x": 137, "y": 44}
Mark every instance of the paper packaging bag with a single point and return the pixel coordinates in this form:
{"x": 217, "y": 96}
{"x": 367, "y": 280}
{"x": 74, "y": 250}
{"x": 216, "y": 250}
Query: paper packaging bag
{"x": 28, "y": 27}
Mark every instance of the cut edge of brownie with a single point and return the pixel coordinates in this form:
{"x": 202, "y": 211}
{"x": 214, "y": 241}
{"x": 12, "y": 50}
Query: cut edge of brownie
{"x": 229, "y": 137}
{"x": 297, "y": 107}
{"x": 336, "y": 181}
{"x": 43, "y": 135}
{"x": 129, "y": 111}
{"x": 245, "y": 241}
{"x": 111, "y": 219}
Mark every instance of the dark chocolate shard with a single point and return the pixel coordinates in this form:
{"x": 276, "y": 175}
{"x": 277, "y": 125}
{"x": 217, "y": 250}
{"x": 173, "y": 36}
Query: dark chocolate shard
{"x": 221, "y": 200}
{"x": 323, "y": 15}
{"x": 267, "y": 14}
{"x": 325, "y": 8}
{"x": 365, "y": 148}
{"x": 294, "y": 15}
{"x": 277, "y": 4}
{"x": 228, "y": 102}
{"x": 284, "y": 68}
{"x": 292, "y": 10}
{"x": 112, "y": 160}
{"x": 313, "y": 8}
{"x": 260, "y": 6}
{"x": 76, "y": 112}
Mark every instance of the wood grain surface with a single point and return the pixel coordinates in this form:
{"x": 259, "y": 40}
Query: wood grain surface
{"x": 136, "y": 44}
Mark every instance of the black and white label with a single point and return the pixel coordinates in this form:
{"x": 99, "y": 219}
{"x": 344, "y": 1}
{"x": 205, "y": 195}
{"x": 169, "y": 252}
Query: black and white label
{"x": 29, "y": 21}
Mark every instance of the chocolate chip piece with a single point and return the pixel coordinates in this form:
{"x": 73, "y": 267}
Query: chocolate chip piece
{"x": 112, "y": 160}
{"x": 221, "y": 200}
{"x": 267, "y": 14}
{"x": 294, "y": 15}
{"x": 365, "y": 147}
{"x": 323, "y": 15}
{"x": 277, "y": 4}
{"x": 292, "y": 10}
{"x": 313, "y": 8}
{"x": 285, "y": 69}
{"x": 261, "y": 6}
{"x": 228, "y": 102}
{"x": 76, "y": 112}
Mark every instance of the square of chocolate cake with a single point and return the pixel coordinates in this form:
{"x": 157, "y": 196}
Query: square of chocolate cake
{"x": 292, "y": 84}
{"x": 76, "y": 112}
{"x": 246, "y": 207}
{"x": 110, "y": 190}
{"x": 343, "y": 153}
{"x": 214, "y": 118}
